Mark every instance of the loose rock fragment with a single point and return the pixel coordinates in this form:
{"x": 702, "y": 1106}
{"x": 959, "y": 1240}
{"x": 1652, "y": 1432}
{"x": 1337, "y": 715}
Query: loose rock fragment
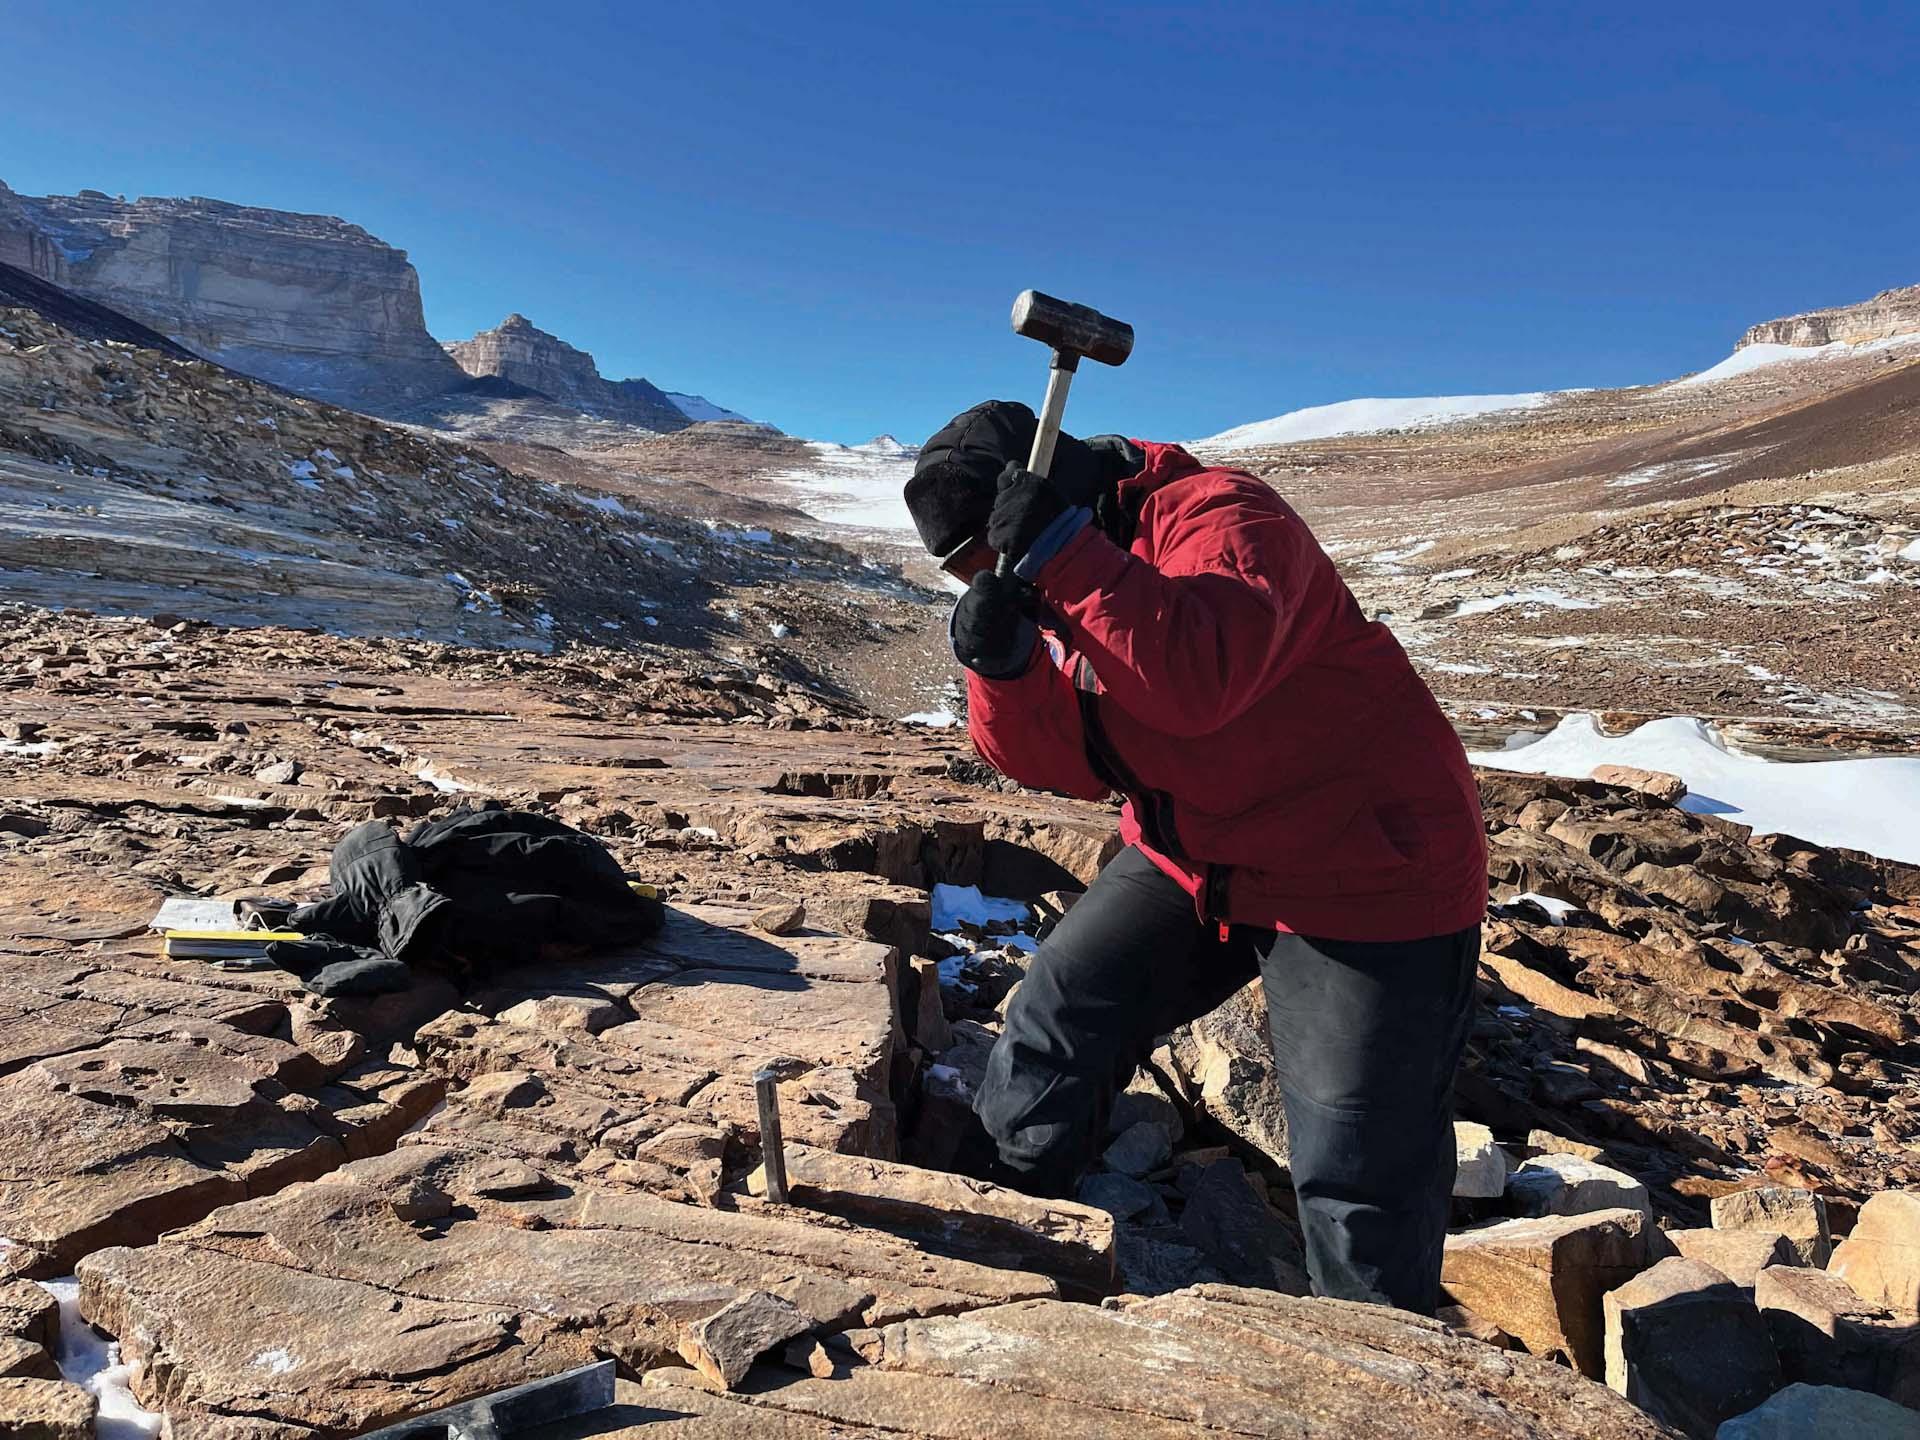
{"x": 1881, "y": 1258}
{"x": 1800, "y": 1215}
{"x": 724, "y": 1345}
{"x": 782, "y": 919}
{"x": 1815, "y": 1412}
{"x": 1660, "y": 784}
{"x": 1480, "y": 1165}
{"x": 1740, "y": 1255}
{"x": 1686, "y": 1345}
{"x": 1541, "y": 1280}
{"x": 1140, "y": 1149}
{"x": 1569, "y": 1185}
{"x": 1823, "y": 1332}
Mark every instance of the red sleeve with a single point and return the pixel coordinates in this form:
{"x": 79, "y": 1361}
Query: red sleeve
{"x": 1238, "y": 591}
{"x": 1029, "y": 730}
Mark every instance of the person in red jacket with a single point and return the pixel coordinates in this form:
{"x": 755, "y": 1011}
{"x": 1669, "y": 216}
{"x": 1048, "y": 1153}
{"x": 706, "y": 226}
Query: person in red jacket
{"x": 1297, "y": 809}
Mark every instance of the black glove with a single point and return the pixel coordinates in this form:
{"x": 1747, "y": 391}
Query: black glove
{"x": 1025, "y": 506}
{"x": 993, "y": 633}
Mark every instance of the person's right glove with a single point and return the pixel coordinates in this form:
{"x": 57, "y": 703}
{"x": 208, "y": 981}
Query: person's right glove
{"x": 992, "y": 628}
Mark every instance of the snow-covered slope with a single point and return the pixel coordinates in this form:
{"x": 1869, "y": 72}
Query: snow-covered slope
{"x": 1760, "y": 356}
{"x": 857, "y": 485}
{"x": 1871, "y": 805}
{"x": 698, "y": 407}
{"x": 1366, "y": 417}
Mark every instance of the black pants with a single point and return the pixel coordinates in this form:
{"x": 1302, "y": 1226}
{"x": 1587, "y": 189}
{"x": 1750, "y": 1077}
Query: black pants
{"x": 1366, "y": 1038}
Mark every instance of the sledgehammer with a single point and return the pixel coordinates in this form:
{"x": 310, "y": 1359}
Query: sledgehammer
{"x": 1072, "y": 331}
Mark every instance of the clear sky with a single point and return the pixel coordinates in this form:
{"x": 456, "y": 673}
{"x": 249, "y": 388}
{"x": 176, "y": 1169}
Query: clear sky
{"x": 820, "y": 214}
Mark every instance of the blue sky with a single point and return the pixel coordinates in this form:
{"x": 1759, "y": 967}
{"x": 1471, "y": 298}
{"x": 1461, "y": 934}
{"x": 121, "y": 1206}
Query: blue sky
{"x": 820, "y": 214}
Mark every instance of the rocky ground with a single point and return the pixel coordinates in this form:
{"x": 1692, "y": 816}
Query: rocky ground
{"x": 148, "y": 483}
{"x": 1742, "y": 549}
{"x": 416, "y": 1198}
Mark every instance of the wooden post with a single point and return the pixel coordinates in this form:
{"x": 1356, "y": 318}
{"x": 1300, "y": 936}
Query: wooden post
{"x": 773, "y": 1153}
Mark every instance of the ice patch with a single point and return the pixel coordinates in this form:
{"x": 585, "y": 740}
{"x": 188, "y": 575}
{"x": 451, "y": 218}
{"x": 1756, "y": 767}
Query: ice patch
{"x": 1868, "y": 804}
{"x": 955, "y": 903}
{"x": 305, "y": 474}
{"x": 1369, "y": 417}
{"x": 92, "y": 1362}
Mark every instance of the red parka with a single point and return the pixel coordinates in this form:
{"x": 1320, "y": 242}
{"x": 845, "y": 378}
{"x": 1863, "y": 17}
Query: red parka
{"x": 1280, "y": 757}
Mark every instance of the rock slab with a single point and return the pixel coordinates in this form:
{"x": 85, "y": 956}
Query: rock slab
{"x": 1686, "y": 1345}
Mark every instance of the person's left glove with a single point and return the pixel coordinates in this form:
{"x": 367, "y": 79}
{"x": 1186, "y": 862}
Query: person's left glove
{"x": 1025, "y": 506}
{"x": 993, "y": 633}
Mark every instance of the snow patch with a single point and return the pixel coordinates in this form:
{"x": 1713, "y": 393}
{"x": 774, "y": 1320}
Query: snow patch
{"x": 861, "y": 486}
{"x": 1539, "y": 595}
{"x": 1868, "y": 804}
{"x": 955, "y": 903}
{"x": 1369, "y": 417}
{"x": 274, "y": 1362}
{"x": 1758, "y": 357}
{"x": 89, "y": 1360}
{"x": 939, "y": 719}
{"x": 698, "y": 407}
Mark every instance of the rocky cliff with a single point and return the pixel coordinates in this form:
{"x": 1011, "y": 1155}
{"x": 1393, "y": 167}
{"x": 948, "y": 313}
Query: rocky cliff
{"x": 307, "y": 301}
{"x": 1891, "y": 312}
{"x": 521, "y": 352}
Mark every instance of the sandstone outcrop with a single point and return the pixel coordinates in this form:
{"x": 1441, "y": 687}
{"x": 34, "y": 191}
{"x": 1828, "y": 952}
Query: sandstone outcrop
{"x": 522, "y": 354}
{"x": 308, "y": 302}
{"x": 1891, "y": 312}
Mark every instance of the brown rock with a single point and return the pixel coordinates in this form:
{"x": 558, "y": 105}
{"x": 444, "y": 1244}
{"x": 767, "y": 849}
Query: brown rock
{"x": 590, "y": 1013}
{"x": 969, "y": 1218}
{"x": 24, "y": 1360}
{"x": 1880, "y": 1259}
{"x": 1658, "y": 783}
{"x": 1823, "y": 1332}
{"x": 1800, "y": 1215}
{"x": 45, "y": 1410}
{"x": 1541, "y": 1280}
{"x": 1740, "y": 1255}
{"x": 928, "y": 1028}
{"x": 724, "y": 1345}
{"x": 1212, "y": 1359}
{"x": 1686, "y": 1345}
{"x": 1802, "y": 1412}
{"x": 28, "y": 1313}
{"x": 782, "y": 919}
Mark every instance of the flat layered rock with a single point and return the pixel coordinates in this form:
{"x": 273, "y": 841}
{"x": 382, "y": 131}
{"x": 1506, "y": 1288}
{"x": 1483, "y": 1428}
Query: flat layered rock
{"x": 1212, "y": 1360}
{"x": 415, "y": 1279}
{"x": 957, "y": 1215}
{"x": 112, "y": 1145}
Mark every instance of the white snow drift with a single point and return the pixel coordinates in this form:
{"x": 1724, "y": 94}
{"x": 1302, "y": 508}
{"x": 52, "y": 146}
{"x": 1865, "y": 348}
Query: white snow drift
{"x": 1870, "y": 804}
{"x": 1367, "y": 417}
{"x": 856, "y": 485}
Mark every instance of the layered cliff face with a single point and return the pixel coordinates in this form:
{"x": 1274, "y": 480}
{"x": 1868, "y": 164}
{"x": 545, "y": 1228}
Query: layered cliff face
{"x": 306, "y": 301}
{"x": 1891, "y": 312}
{"x": 519, "y": 351}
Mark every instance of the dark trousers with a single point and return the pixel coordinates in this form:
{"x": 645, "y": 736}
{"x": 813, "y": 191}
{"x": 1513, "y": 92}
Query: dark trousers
{"x": 1366, "y": 1039}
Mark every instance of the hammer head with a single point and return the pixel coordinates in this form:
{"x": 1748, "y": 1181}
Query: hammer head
{"x": 1072, "y": 329}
